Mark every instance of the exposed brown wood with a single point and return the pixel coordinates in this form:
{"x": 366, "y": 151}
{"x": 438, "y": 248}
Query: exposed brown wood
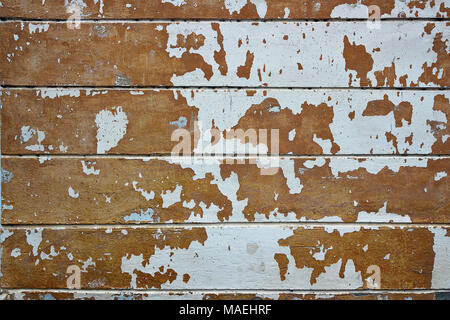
{"x": 117, "y": 190}
{"x": 329, "y": 257}
{"x": 68, "y": 121}
{"x": 220, "y": 9}
{"x": 216, "y": 295}
{"x": 186, "y": 54}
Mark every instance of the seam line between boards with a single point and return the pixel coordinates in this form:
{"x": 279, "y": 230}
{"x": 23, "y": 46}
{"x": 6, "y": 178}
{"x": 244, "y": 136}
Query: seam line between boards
{"x": 171, "y": 88}
{"x": 226, "y": 20}
{"x": 247, "y": 224}
{"x": 221, "y": 157}
{"x": 299, "y": 291}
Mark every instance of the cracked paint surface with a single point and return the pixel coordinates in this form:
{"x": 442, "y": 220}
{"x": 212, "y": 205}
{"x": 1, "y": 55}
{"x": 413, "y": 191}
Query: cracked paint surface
{"x": 161, "y": 257}
{"x": 222, "y": 54}
{"x": 362, "y": 179}
{"x": 226, "y": 9}
{"x": 309, "y": 121}
{"x": 166, "y": 190}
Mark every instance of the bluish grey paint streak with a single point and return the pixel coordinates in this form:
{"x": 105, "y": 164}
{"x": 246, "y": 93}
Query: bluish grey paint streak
{"x": 180, "y": 123}
{"x": 143, "y": 216}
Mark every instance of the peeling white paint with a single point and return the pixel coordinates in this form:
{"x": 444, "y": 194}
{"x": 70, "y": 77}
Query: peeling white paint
{"x": 34, "y": 239}
{"x": 147, "y": 195}
{"x": 176, "y": 3}
{"x": 171, "y": 197}
{"x": 111, "y": 128}
{"x": 89, "y": 170}
{"x": 441, "y": 247}
{"x": 27, "y": 133}
{"x": 15, "y": 252}
{"x": 382, "y": 216}
{"x": 440, "y": 175}
{"x": 147, "y": 215}
{"x": 39, "y": 27}
{"x": 72, "y": 193}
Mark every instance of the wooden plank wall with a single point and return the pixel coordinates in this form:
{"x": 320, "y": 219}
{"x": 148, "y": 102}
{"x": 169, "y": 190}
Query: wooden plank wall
{"x": 178, "y": 149}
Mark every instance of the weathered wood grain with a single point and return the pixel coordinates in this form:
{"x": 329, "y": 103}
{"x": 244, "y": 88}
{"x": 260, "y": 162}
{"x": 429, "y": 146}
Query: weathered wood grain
{"x": 235, "y": 257}
{"x": 276, "y": 54}
{"x": 74, "y": 121}
{"x": 169, "y": 190}
{"x": 218, "y": 295}
{"x": 221, "y": 9}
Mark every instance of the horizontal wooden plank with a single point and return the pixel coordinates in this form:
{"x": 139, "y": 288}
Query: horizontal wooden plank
{"x": 74, "y": 121}
{"x": 279, "y": 54}
{"x": 338, "y": 257}
{"x": 218, "y": 295}
{"x": 221, "y": 9}
{"x": 172, "y": 190}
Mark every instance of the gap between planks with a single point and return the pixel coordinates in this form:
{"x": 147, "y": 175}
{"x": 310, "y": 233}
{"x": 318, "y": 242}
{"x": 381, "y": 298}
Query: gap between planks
{"x": 248, "y": 291}
{"x": 165, "y": 156}
{"x": 125, "y": 88}
{"x": 144, "y": 20}
{"x": 312, "y": 224}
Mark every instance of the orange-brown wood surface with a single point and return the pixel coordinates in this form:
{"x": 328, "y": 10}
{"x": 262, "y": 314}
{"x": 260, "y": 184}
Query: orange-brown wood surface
{"x": 269, "y": 54}
{"x": 148, "y": 190}
{"x": 68, "y": 121}
{"x": 221, "y": 9}
{"x": 245, "y": 149}
{"x": 214, "y": 295}
{"x": 145, "y": 258}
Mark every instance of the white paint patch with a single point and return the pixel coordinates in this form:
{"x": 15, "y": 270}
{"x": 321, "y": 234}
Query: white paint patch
{"x": 251, "y": 253}
{"x": 324, "y": 144}
{"x": 319, "y": 162}
{"x": 374, "y": 165}
{"x": 292, "y": 134}
{"x": 39, "y": 27}
{"x": 350, "y": 11}
{"x": 72, "y": 193}
{"x": 15, "y": 252}
{"x": 234, "y": 5}
{"x": 261, "y": 7}
{"x": 34, "y": 239}
{"x": 147, "y": 215}
{"x": 439, "y": 175}
{"x": 176, "y": 3}
{"x": 111, "y": 128}
{"x": 50, "y": 255}
{"x": 228, "y": 186}
{"x": 278, "y": 54}
{"x": 53, "y": 93}
{"x": 189, "y": 205}
{"x": 147, "y": 195}
{"x": 401, "y": 8}
{"x": 171, "y": 197}
{"x": 441, "y": 247}
{"x": 382, "y": 216}
{"x": 362, "y": 135}
{"x": 28, "y": 133}
{"x": 293, "y": 182}
{"x": 100, "y": 6}
{"x": 88, "y": 263}
{"x": 89, "y": 170}
{"x": 320, "y": 255}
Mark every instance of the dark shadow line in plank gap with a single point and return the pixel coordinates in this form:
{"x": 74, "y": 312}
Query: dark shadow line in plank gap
{"x": 220, "y": 224}
{"x": 237, "y": 156}
{"x": 82, "y": 87}
{"x": 163, "y": 20}
{"x": 250, "y": 290}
